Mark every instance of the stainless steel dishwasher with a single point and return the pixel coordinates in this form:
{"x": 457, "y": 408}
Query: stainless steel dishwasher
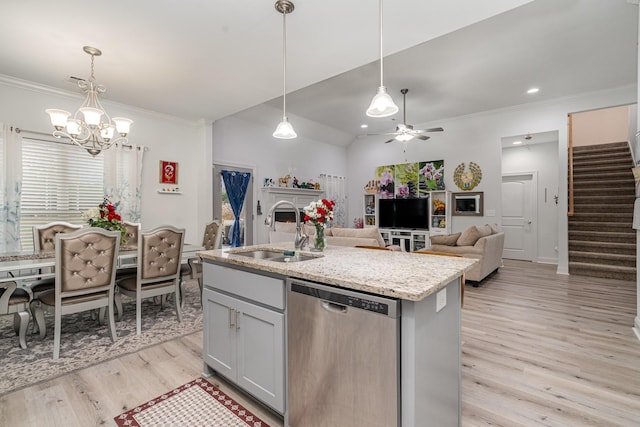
{"x": 343, "y": 357}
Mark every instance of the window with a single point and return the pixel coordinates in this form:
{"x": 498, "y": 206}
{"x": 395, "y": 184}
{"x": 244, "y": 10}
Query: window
{"x": 59, "y": 183}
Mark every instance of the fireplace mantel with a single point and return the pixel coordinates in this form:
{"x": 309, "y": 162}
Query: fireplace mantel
{"x": 300, "y": 197}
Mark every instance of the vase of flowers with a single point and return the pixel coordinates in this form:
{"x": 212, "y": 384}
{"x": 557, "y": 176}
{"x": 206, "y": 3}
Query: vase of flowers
{"x": 319, "y": 214}
{"x": 105, "y": 216}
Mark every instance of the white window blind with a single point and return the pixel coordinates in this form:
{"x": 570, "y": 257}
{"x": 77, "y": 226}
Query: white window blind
{"x": 59, "y": 183}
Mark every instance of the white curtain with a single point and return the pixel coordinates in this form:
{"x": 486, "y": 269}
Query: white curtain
{"x": 11, "y": 185}
{"x": 335, "y": 188}
{"x": 123, "y": 179}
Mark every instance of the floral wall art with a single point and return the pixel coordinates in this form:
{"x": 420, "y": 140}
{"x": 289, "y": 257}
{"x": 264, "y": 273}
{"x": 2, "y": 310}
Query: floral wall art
{"x": 385, "y": 176}
{"x": 431, "y": 176}
{"x": 410, "y": 180}
{"x": 406, "y": 181}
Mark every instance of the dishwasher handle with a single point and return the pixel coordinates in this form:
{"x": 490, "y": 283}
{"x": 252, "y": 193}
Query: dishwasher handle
{"x": 334, "y": 308}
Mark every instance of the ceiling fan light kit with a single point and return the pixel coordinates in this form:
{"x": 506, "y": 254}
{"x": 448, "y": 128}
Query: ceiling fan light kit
{"x": 284, "y": 130}
{"x": 91, "y": 127}
{"x": 382, "y": 104}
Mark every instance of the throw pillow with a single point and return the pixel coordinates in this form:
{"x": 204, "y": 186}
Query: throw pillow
{"x": 449, "y": 240}
{"x": 485, "y": 230}
{"x": 469, "y": 237}
{"x": 494, "y": 228}
{"x": 359, "y": 232}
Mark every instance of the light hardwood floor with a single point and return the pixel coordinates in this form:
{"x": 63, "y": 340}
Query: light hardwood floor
{"x": 538, "y": 350}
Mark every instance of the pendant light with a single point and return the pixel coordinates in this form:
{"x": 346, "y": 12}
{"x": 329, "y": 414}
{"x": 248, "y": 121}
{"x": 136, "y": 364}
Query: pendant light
{"x": 284, "y": 129}
{"x": 381, "y": 105}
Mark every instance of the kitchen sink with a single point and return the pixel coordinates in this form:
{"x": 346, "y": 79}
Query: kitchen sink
{"x": 276, "y": 256}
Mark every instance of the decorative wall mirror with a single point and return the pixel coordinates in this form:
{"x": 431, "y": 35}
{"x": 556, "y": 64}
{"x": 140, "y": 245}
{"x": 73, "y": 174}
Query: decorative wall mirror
{"x": 468, "y": 204}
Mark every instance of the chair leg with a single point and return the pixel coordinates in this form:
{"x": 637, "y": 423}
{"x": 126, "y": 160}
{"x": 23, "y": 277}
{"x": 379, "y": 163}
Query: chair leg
{"x": 201, "y": 290}
{"x": 101, "y": 312}
{"x": 22, "y": 318}
{"x": 57, "y": 324}
{"x": 38, "y": 314}
{"x": 118, "y": 302}
{"x": 112, "y": 324}
{"x": 138, "y": 314}
{"x": 181, "y": 293}
{"x": 178, "y": 304}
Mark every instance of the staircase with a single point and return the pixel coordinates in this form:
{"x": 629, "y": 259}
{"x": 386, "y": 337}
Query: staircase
{"x": 601, "y": 240}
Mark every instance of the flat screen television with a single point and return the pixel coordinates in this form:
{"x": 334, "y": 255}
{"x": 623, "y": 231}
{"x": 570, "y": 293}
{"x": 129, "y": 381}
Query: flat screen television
{"x": 404, "y": 213}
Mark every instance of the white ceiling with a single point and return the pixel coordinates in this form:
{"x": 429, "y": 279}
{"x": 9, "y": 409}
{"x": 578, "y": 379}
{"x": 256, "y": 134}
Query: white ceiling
{"x": 201, "y": 59}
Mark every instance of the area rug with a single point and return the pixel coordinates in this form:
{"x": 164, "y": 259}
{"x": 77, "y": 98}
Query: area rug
{"x": 84, "y": 342}
{"x": 198, "y": 403}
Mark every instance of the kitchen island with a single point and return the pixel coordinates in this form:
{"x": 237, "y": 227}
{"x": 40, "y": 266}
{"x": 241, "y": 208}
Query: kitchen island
{"x": 250, "y": 296}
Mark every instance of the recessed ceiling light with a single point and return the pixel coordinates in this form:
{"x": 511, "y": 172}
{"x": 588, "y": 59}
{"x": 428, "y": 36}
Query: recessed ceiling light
{"x": 364, "y": 126}
{"x": 517, "y": 142}
{"x": 533, "y": 90}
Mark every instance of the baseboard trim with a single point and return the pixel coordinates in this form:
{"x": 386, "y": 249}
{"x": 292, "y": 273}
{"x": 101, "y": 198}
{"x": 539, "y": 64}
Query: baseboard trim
{"x": 636, "y": 328}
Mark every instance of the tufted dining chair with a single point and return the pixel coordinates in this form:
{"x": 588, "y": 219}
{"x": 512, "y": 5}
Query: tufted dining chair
{"x": 14, "y": 300}
{"x": 211, "y": 240}
{"x": 133, "y": 230}
{"x": 44, "y": 240}
{"x": 85, "y": 279}
{"x": 158, "y": 269}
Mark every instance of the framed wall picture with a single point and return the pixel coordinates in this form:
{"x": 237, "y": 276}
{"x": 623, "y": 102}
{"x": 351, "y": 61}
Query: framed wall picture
{"x": 168, "y": 172}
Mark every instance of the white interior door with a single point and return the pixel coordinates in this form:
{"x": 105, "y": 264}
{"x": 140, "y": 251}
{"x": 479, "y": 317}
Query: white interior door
{"x": 519, "y": 218}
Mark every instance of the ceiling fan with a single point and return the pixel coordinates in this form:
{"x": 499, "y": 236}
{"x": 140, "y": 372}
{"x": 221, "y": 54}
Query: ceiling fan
{"x": 405, "y": 132}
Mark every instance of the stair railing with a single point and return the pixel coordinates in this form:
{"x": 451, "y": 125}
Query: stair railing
{"x": 570, "y": 161}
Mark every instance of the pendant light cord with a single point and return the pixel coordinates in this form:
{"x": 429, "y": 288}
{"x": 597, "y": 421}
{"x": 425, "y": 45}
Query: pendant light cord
{"x": 284, "y": 65}
{"x": 381, "y": 66}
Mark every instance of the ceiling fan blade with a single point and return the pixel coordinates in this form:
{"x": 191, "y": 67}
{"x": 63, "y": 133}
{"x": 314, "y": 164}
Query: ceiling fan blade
{"x": 391, "y": 140}
{"x": 422, "y": 137}
{"x": 434, "y": 130}
{"x": 376, "y": 134}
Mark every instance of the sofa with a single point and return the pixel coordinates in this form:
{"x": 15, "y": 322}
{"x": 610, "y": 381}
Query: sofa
{"x": 336, "y": 236}
{"x": 484, "y": 243}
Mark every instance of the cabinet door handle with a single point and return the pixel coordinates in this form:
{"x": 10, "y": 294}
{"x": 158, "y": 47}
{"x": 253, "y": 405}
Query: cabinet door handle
{"x": 231, "y": 324}
{"x": 237, "y": 323}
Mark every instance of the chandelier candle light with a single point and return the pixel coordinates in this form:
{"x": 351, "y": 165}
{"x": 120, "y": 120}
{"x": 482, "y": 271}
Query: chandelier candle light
{"x": 91, "y": 127}
{"x": 284, "y": 129}
{"x": 319, "y": 214}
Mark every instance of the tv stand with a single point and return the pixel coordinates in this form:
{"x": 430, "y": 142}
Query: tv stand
{"x": 408, "y": 239}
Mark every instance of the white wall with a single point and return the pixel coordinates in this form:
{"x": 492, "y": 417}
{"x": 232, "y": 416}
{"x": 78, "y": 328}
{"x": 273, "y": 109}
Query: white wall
{"x": 168, "y": 138}
{"x": 249, "y": 144}
{"x": 542, "y": 158}
{"x": 477, "y": 138}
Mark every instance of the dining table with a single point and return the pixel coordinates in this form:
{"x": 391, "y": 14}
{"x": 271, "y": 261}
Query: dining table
{"x": 27, "y": 266}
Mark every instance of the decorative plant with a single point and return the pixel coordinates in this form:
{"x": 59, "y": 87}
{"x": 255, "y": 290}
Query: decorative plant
{"x": 319, "y": 214}
{"x": 105, "y": 216}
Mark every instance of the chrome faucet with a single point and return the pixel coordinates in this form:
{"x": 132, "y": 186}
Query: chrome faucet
{"x": 301, "y": 238}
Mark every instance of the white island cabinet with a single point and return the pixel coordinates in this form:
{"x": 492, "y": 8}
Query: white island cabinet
{"x": 244, "y": 331}
{"x": 247, "y": 311}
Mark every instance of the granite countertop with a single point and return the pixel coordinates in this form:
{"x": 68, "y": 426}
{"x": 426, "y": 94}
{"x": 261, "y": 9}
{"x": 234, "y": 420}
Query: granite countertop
{"x": 409, "y": 276}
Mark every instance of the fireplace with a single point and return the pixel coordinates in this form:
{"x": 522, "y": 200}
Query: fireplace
{"x": 287, "y": 216}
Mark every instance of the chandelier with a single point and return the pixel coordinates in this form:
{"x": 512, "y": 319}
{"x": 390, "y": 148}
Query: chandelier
{"x": 90, "y": 127}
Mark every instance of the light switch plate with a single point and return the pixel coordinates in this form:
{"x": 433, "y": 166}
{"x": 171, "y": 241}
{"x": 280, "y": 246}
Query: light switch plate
{"x": 441, "y": 299}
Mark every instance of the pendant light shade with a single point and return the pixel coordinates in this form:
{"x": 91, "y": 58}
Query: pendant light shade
{"x": 381, "y": 105}
{"x": 284, "y": 129}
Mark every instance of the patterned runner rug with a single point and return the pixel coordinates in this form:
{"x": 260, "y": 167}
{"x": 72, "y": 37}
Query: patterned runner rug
{"x": 198, "y": 403}
{"x": 84, "y": 342}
